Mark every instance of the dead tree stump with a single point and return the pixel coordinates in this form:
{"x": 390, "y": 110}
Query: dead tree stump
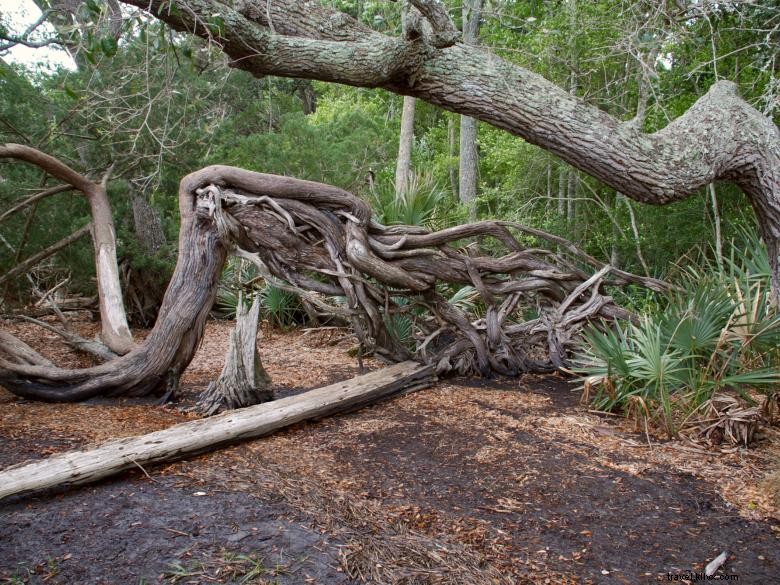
{"x": 243, "y": 381}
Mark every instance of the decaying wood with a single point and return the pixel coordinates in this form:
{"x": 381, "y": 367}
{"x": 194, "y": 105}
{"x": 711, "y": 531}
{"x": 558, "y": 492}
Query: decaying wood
{"x": 20, "y": 352}
{"x": 243, "y": 381}
{"x": 321, "y": 241}
{"x": 89, "y": 346}
{"x": 205, "y": 434}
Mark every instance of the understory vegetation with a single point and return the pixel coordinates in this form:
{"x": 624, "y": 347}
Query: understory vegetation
{"x": 706, "y": 357}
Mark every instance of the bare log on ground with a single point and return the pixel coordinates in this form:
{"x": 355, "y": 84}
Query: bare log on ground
{"x": 243, "y": 381}
{"x": 392, "y": 282}
{"x": 202, "y": 435}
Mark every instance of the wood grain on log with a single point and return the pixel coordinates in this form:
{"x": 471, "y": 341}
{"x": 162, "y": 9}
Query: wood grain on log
{"x": 202, "y": 435}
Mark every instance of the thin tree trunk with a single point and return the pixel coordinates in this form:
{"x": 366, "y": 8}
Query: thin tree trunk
{"x": 635, "y": 231}
{"x": 716, "y": 221}
{"x": 452, "y": 167}
{"x": 614, "y": 255}
{"x": 468, "y": 164}
{"x": 571, "y": 200}
{"x": 308, "y": 96}
{"x": 548, "y": 202}
{"x": 563, "y": 183}
{"x": 403, "y": 166}
{"x": 469, "y": 156}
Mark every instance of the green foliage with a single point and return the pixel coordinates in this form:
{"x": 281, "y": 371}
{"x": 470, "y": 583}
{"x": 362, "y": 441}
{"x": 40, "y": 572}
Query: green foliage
{"x": 240, "y": 279}
{"x": 281, "y": 308}
{"x": 340, "y": 144}
{"x": 166, "y": 104}
{"x": 415, "y": 206}
{"x": 720, "y": 333}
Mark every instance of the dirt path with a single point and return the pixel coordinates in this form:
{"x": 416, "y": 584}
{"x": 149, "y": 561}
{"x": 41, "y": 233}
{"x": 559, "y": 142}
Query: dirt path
{"x": 501, "y": 481}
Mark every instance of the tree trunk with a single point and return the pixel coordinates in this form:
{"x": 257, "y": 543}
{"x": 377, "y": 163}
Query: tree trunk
{"x": 571, "y": 200}
{"x": 115, "y": 332}
{"x": 243, "y": 381}
{"x": 403, "y": 166}
{"x": 720, "y": 137}
{"x": 469, "y": 156}
{"x": 181, "y": 440}
{"x": 563, "y": 183}
{"x": 295, "y": 229}
{"x": 716, "y": 221}
{"x": 452, "y": 169}
{"x": 147, "y": 224}
{"x": 308, "y": 96}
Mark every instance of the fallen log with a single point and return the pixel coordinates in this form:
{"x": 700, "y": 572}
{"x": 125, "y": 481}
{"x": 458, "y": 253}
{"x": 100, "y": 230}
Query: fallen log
{"x": 178, "y": 441}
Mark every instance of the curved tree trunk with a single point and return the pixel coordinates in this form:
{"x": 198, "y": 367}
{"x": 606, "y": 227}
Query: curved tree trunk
{"x": 296, "y": 228}
{"x": 721, "y": 137}
{"x": 114, "y": 332}
{"x": 170, "y": 346}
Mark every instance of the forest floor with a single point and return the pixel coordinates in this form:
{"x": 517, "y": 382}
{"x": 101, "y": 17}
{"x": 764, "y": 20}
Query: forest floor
{"x": 472, "y": 481}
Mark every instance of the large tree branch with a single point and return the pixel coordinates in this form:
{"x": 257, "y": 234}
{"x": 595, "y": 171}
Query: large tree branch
{"x": 721, "y": 137}
{"x": 297, "y": 228}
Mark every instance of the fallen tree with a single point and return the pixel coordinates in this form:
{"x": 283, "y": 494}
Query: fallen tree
{"x": 184, "y": 439}
{"x": 321, "y": 241}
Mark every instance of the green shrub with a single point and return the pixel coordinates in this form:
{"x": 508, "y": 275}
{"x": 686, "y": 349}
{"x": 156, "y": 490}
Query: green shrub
{"x": 719, "y": 333}
{"x": 240, "y": 279}
{"x": 415, "y": 206}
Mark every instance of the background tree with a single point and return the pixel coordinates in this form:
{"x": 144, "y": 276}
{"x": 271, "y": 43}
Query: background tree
{"x": 469, "y": 155}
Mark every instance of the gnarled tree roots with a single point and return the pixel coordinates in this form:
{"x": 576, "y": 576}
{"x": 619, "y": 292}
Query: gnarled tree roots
{"x": 393, "y": 284}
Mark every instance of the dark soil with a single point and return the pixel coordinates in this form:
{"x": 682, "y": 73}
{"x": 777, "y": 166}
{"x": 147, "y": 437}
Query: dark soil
{"x": 473, "y": 481}
{"x": 136, "y": 531}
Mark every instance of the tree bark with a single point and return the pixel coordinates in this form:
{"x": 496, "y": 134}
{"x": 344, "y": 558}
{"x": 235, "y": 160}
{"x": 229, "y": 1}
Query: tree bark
{"x": 296, "y": 229}
{"x": 469, "y": 156}
{"x": 115, "y": 332}
{"x": 403, "y": 166}
{"x": 243, "y": 381}
{"x": 147, "y": 224}
{"x": 721, "y": 137}
{"x": 452, "y": 169}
